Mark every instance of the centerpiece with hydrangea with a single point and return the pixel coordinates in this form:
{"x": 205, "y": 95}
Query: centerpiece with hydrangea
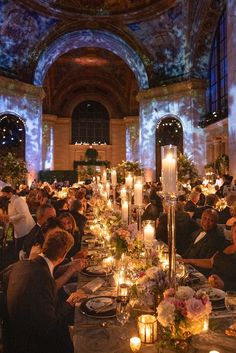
{"x": 124, "y": 238}
{"x": 182, "y": 313}
{"x": 151, "y": 285}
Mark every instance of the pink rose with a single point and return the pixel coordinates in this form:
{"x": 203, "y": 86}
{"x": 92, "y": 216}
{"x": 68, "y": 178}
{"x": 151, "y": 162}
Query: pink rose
{"x": 195, "y": 308}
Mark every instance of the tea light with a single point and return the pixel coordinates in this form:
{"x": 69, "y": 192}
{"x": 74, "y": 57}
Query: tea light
{"x": 147, "y": 327}
{"x": 148, "y": 233}
{"x": 123, "y": 292}
{"x": 205, "y": 324}
{"x": 135, "y": 344}
{"x": 214, "y": 352}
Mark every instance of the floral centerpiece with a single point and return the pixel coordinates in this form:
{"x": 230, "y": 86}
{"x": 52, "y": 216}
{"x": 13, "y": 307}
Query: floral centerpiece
{"x": 151, "y": 285}
{"x": 124, "y": 238}
{"x": 182, "y": 313}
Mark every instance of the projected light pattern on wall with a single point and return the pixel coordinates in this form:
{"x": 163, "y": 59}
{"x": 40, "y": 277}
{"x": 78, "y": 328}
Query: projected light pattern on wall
{"x": 152, "y": 112}
{"x": 91, "y": 38}
{"x": 28, "y": 107}
{"x": 20, "y": 32}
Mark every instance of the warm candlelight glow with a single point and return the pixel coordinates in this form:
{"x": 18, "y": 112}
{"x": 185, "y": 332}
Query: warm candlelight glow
{"x": 214, "y": 352}
{"x": 108, "y": 188}
{"x": 109, "y": 204}
{"x": 104, "y": 177}
{"x": 138, "y": 193}
{"x": 148, "y": 233}
{"x": 123, "y": 193}
{"x": 113, "y": 177}
{"x": 124, "y": 211}
{"x": 129, "y": 181}
{"x": 169, "y": 169}
{"x": 206, "y": 324}
{"x": 135, "y": 344}
{"x": 147, "y": 326}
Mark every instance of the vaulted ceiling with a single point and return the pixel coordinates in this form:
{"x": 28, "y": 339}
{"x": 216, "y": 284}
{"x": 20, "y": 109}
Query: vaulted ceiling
{"x": 171, "y": 37}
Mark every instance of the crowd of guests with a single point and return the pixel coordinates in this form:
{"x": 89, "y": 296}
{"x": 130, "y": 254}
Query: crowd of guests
{"x": 48, "y": 232}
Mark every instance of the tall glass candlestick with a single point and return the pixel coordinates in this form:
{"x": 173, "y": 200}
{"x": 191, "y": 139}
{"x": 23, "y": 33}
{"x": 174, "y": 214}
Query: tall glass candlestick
{"x": 104, "y": 177}
{"x": 169, "y": 187}
{"x": 108, "y": 188}
{"x": 124, "y": 211}
{"x": 129, "y": 180}
{"x": 138, "y": 193}
{"x": 113, "y": 177}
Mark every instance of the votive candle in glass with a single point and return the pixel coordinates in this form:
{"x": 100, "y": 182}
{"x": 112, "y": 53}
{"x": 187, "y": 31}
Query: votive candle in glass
{"x": 124, "y": 211}
{"x": 138, "y": 193}
{"x": 135, "y": 344}
{"x": 169, "y": 169}
{"x": 147, "y": 328}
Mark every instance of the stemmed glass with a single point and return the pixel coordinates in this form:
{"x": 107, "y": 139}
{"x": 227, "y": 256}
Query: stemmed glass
{"x": 230, "y": 302}
{"x": 123, "y": 315}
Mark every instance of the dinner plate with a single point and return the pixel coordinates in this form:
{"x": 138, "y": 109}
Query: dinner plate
{"x": 95, "y": 270}
{"x": 99, "y": 307}
{"x": 214, "y": 294}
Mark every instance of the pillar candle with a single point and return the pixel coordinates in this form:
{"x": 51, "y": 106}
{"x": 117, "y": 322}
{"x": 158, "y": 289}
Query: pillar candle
{"x": 129, "y": 181}
{"x": 148, "y": 233}
{"x": 138, "y": 193}
{"x": 124, "y": 211}
{"x": 104, "y": 177}
{"x": 123, "y": 193}
{"x": 169, "y": 173}
{"x": 108, "y": 187}
{"x": 113, "y": 177}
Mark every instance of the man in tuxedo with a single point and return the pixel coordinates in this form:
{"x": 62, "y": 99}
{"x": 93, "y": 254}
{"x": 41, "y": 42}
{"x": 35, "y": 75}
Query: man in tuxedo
{"x": 207, "y": 240}
{"x": 35, "y": 322}
{"x": 35, "y": 236}
{"x": 151, "y": 211}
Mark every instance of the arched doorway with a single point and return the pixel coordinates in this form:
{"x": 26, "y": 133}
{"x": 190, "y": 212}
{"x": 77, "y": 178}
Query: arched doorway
{"x": 12, "y": 135}
{"x": 90, "y": 123}
{"x": 169, "y": 131}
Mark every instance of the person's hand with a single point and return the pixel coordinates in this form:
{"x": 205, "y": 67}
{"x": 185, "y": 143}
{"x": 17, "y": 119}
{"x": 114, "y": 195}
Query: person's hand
{"x": 35, "y": 250}
{"x": 75, "y": 298}
{"x": 216, "y": 282}
{"x": 81, "y": 254}
{"x": 78, "y": 265}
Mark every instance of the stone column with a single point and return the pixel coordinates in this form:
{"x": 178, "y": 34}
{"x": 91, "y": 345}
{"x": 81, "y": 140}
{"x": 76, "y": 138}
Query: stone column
{"x": 48, "y": 141}
{"x": 231, "y": 55}
{"x": 25, "y": 101}
{"x": 132, "y": 138}
{"x": 117, "y": 141}
{"x": 184, "y": 101}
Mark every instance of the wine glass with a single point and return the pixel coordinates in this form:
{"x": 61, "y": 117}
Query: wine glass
{"x": 230, "y": 302}
{"x": 123, "y": 315}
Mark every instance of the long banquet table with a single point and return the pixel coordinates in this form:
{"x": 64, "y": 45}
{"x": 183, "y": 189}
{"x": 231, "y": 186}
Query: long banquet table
{"x": 92, "y": 335}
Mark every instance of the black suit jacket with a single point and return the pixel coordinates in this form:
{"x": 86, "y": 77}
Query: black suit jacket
{"x": 80, "y": 221}
{"x": 35, "y": 236}
{"x": 35, "y": 321}
{"x": 151, "y": 212}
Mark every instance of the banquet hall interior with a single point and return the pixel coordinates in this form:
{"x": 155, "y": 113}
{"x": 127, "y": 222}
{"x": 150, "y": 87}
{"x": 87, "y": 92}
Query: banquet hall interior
{"x": 120, "y": 115}
{"x": 124, "y": 76}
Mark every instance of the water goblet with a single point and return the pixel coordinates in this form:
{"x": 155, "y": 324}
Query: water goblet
{"x": 123, "y": 315}
{"x": 230, "y": 302}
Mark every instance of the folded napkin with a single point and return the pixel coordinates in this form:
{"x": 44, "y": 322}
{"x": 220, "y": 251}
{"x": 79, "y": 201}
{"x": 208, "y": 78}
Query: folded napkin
{"x": 101, "y": 304}
{"x": 93, "y": 285}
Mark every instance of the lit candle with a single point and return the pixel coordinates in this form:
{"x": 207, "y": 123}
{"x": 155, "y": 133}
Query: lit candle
{"x": 129, "y": 181}
{"x": 98, "y": 179}
{"x": 124, "y": 211}
{"x": 135, "y": 344}
{"x": 123, "y": 193}
{"x": 147, "y": 326}
{"x": 108, "y": 187}
{"x": 214, "y": 352}
{"x": 138, "y": 193}
{"x": 104, "y": 177}
{"x": 205, "y": 324}
{"x": 109, "y": 204}
{"x": 113, "y": 177}
{"x": 148, "y": 233}
{"x": 169, "y": 170}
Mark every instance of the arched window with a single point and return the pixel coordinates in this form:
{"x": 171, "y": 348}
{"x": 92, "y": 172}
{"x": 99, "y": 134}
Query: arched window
{"x": 12, "y": 135}
{"x": 169, "y": 132}
{"x": 217, "y": 93}
{"x": 90, "y": 123}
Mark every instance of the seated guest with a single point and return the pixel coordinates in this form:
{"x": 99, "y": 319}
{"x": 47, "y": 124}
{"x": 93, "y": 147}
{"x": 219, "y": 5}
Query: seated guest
{"x": 151, "y": 211}
{"x": 222, "y": 263}
{"x": 35, "y": 236}
{"x": 184, "y": 225}
{"x": 35, "y": 322}
{"x": 191, "y": 204}
{"x": 201, "y": 201}
{"x": 155, "y": 199}
{"x": 76, "y": 210}
{"x": 225, "y": 214}
{"x": 207, "y": 240}
{"x": 69, "y": 224}
{"x": 210, "y": 202}
{"x": 61, "y": 205}
{"x": 232, "y": 219}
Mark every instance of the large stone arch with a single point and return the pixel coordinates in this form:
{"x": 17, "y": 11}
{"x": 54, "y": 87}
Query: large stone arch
{"x": 91, "y": 38}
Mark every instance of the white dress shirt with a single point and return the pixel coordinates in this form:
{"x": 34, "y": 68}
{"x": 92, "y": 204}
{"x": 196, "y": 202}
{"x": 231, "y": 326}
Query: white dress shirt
{"x": 200, "y": 236}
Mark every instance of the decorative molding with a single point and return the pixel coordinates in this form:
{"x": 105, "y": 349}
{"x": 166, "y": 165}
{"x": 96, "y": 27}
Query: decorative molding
{"x": 20, "y": 88}
{"x": 172, "y": 89}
